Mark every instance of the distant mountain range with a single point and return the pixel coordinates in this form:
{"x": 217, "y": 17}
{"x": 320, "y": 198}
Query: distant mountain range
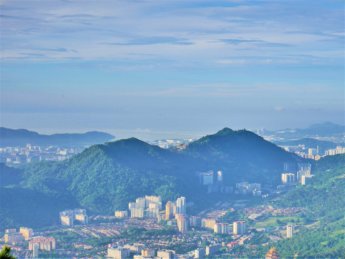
{"x": 107, "y": 176}
{"x": 326, "y": 130}
{"x": 22, "y": 137}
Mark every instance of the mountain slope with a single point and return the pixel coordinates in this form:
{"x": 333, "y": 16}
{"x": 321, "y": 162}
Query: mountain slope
{"x": 9, "y": 175}
{"x": 22, "y": 137}
{"x": 107, "y": 176}
{"x": 243, "y": 155}
{"x": 324, "y": 200}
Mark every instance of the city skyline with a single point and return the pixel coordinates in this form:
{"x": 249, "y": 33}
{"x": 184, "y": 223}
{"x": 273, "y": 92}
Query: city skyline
{"x": 170, "y": 69}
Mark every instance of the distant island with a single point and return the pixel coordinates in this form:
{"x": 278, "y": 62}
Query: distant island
{"x": 22, "y": 137}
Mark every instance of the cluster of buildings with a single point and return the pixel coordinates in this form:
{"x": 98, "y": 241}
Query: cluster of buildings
{"x": 336, "y": 151}
{"x": 302, "y": 176}
{"x": 30, "y": 153}
{"x": 314, "y": 153}
{"x": 70, "y": 217}
{"x": 175, "y": 214}
{"x": 236, "y": 228}
{"x": 13, "y": 237}
{"x": 145, "y": 207}
{"x": 42, "y": 243}
{"x": 151, "y": 207}
{"x": 35, "y": 243}
{"x": 138, "y": 252}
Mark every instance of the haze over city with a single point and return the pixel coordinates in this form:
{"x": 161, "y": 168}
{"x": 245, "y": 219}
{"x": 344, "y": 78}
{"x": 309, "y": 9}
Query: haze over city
{"x": 179, "y": 129}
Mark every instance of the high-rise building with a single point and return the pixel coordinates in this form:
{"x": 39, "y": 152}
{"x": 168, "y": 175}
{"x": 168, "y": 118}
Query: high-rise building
{"x": 303, "y": 169}
{"x": 68, "y": 217}
{"x": 288, "y": 178}
{"x": 195, "y": 221}
{"x": 169, "y": 210}
{"x": 181, "y": 205}
{"x": 27, "y": 233}
{"x": 221, "y": 228}
{"x": 146, "y": 207}
{"x": 289, "y": 231}
{"x": 239, "y": 227}
{"x": 137, "y": 212}
{"x": 182, "y": 222}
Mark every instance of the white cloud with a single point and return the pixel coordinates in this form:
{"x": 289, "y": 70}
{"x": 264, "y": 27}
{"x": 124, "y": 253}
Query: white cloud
{"x": 184, "y": 33}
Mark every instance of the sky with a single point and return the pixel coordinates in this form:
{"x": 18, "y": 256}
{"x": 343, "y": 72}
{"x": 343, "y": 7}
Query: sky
{"x": 170, "y": 68}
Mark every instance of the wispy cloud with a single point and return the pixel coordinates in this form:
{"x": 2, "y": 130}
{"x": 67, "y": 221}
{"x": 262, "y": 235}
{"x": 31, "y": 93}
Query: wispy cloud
{"x": 187, "y": 32}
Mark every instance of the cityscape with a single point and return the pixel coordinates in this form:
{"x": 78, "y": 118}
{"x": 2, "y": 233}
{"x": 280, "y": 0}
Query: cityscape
{"x": 172, "y": 129}
{"x": 217, "y": 231}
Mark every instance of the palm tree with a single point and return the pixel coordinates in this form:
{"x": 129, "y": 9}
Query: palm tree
{"x": 5, "y": 253}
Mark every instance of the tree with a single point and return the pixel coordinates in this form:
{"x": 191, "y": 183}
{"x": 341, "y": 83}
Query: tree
{"x": 5, "y": 253}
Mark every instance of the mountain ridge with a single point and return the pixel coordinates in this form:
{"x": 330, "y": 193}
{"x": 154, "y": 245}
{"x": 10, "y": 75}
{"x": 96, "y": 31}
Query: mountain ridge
{"x": 105, "y": 177}
{"x": 22, "y": 137}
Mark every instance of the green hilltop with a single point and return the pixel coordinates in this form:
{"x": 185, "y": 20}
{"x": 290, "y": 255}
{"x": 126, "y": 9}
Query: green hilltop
{"x": 106, "y": 177}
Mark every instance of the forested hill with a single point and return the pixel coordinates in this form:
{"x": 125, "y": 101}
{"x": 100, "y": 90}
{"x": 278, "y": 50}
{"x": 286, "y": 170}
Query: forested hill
{"x": 324, "y": 200}
{"x": 22, "y": 137}
{"x": 106, "y": 177}
{"x": 243, "y": 153}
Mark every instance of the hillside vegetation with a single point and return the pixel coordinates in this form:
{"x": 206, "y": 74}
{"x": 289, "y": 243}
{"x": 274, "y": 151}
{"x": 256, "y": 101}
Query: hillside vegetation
{"x": 106, "y": 177}
{"x": 324, "y": 200}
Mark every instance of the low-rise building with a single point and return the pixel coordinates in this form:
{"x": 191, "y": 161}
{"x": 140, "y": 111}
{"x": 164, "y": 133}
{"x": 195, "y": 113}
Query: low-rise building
{"x": 211, "y": 250}
{"x": 199, "y": 253}
{"x": 208, "y": 223}
{"x": 165, "y": 254}
{"x": 44, "y": 243}
{"x": 118, "y": 253}
{"x": 120, "y": 214}
{"x": 148, "y": 252}
{"x": 12, "y": 236}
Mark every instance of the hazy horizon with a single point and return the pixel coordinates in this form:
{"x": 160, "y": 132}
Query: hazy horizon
{"x": 151, "y": 135}
{"x": 176, "y": 67}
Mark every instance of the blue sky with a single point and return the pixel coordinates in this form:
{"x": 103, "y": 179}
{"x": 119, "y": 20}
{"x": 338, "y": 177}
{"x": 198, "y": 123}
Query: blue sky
{"x": 156, "y": 69}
